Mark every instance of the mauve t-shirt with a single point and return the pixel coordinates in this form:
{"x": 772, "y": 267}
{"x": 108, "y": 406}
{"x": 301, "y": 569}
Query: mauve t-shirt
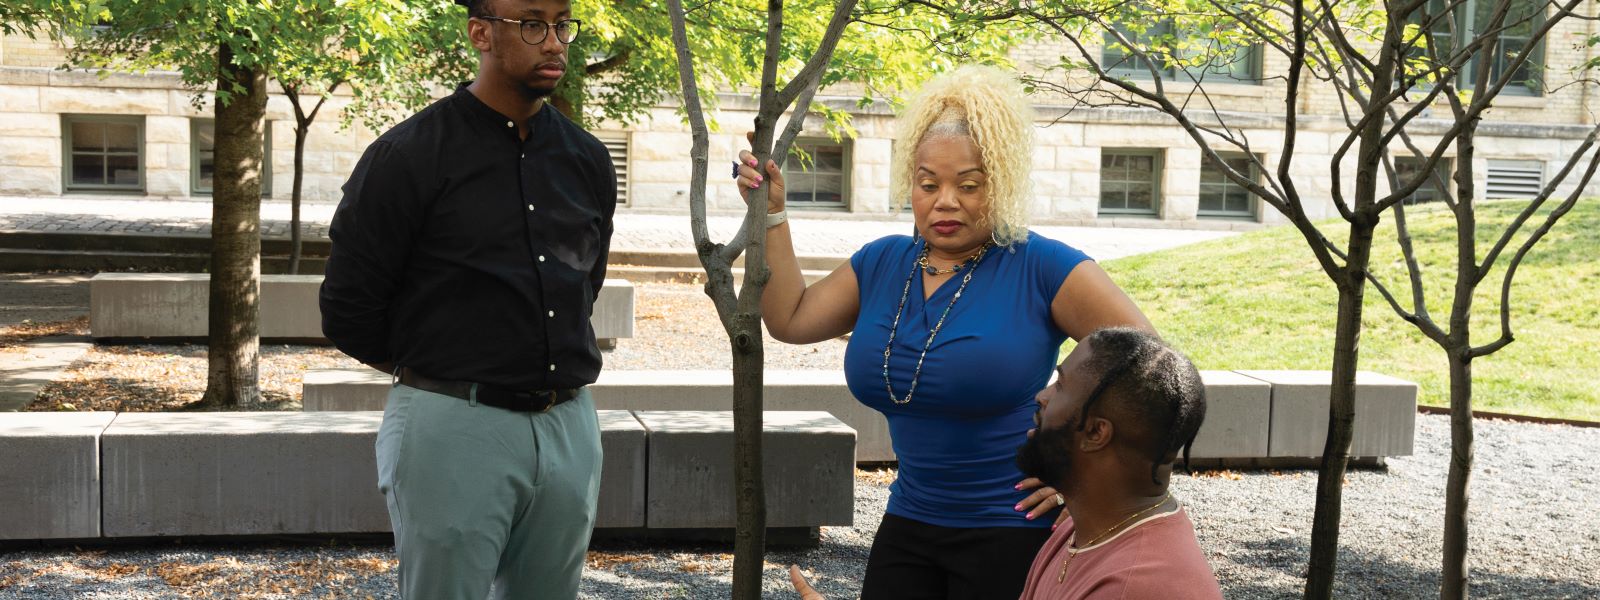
{"x": 1157, "y": 559}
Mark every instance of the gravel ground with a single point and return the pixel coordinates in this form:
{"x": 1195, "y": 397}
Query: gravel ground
{"x": 1536, "y": 534}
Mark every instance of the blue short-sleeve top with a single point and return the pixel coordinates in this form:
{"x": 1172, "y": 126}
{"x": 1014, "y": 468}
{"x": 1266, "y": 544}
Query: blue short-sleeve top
{"x": 957, "y": 439}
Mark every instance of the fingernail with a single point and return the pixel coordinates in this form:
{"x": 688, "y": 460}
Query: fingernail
{"x": 751, "y": 162}
{"x": 1017, "y": 507}
{"x": 760, "y": 178}
{"x": 754, "y": 185}
{"x": 1030, "y": 516}
{"x": 1054, "y": 525}
{"x": 1016, "y": 487}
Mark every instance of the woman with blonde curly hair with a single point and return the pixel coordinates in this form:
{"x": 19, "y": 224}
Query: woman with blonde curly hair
{"x": 955, "y": 329}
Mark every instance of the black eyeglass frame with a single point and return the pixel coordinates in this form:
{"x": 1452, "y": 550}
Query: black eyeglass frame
{"x": 523, "y": 25}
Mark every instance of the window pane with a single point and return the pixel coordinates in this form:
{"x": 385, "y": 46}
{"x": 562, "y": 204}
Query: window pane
{"x": 123, "y": 169}
{"x": 1141, "y": 167}
{"x": 799, "y": 186}
{"x": 208, "y": 170}
{"x": 1212, "y": 200}
{"x": 122, "y": 137}
{"x": 1113, "y": 195}
{"x": 88, "y": 169}
{"x": 205, "y": 136}
{"x": 829, "y": 188}
{"x": 828, "y": 159}
{"x": 88, "y": 136}
{"x": 1140, "y": 197}
{"x": 1238, "y": 201}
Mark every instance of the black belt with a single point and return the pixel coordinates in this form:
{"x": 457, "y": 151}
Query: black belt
{"x": 523, "y": 401}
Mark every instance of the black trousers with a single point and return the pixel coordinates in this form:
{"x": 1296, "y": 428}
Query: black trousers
{"x": 915, "y": 560}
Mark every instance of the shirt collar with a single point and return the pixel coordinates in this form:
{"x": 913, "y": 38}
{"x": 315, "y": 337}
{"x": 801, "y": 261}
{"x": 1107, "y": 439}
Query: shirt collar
{"x": 490, "y": 116}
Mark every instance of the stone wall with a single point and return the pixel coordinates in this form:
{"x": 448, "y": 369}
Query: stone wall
{"x": 34, "y": 95}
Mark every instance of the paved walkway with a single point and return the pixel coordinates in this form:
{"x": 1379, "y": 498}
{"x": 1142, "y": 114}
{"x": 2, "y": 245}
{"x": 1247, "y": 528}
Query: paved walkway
{"x": 835, "y": 235}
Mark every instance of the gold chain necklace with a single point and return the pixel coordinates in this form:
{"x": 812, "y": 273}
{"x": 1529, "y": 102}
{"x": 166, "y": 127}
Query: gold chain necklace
{"x": 1073, "y": 554}
{"x": 922, "y": 261}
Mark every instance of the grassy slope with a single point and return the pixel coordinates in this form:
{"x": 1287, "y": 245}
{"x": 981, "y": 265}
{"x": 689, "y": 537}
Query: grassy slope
{"x": 1259, "y": 301}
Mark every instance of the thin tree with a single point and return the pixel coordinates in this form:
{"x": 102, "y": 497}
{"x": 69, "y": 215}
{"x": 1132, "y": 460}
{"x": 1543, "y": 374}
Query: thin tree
{"x": 390, "y": 57}
{"x": 1367, "y": 52}
{"x": 741, "y": 312}
{"x": 1473, "y": 268}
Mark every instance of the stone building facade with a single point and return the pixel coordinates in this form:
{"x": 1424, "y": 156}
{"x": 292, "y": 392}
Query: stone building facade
{"x": 84, "y": 134}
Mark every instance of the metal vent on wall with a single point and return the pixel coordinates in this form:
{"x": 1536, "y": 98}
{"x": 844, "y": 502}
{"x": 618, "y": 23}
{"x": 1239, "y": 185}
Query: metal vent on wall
{"x": 617, "y": 145}
{"x": 1515, "y": 178}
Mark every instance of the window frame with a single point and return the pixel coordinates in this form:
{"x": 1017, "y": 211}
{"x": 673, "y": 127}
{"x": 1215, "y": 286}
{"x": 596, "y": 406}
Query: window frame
{"x": 1253, "y": 212}
{"x": 194, "y": 157}
{"x": 1170, "y": 72}
{"x": 846, "y": 163}
{"x": 67, "y": 152}
{"x": 1464, "y": 17}
{"x": 1158, "y": 169}
{"x": 1445, "y": 168}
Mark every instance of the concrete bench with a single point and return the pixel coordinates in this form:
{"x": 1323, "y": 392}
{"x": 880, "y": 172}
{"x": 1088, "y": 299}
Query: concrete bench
{"x": 142, "y": 306}
{"x": 50, "y": 474}
{"x": 1385, "y": 415}
{"x": 808, "y": 462}
{"x": 256, "y": 473}
{"x": 365, "y": 389}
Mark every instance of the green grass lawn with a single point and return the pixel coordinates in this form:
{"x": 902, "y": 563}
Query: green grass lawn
{"x": 1259, "y": 301}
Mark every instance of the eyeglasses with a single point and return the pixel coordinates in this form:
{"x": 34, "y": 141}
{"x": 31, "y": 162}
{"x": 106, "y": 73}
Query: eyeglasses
{"x": 535, "y": 31}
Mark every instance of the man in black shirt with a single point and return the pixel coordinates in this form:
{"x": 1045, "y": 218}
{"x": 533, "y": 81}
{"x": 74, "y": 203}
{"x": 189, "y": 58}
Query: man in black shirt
{"x": 467, "y": 253}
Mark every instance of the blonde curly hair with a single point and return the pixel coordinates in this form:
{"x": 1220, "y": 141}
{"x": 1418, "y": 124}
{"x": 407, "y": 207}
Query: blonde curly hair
{"x": 987, "y": 105}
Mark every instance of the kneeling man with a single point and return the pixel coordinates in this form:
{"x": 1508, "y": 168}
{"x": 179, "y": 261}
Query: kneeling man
{"x": 1122, "y": 407}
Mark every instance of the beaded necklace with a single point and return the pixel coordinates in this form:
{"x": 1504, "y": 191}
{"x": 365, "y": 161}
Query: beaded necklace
{"x": 917, "y": 267}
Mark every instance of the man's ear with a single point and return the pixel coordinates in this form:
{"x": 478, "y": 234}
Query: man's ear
{"x": 1097, "y": 434}
{"x": 481, "y": 34}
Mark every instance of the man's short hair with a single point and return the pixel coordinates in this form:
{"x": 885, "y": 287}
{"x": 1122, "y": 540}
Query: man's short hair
{"x": 1154, "y": 386}
{"x": 475, "y": 8}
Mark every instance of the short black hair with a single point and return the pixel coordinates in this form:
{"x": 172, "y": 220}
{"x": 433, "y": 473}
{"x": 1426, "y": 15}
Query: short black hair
{"x": 1153, "y": 384}
{"x": 475, "y": 8}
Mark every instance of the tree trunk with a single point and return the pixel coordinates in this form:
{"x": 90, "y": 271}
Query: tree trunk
{"x": 1341, "y": 414}
{"x": 300, "y": 132}
{"x": 1457, "y": 496}
{"x": 750, "y": 528}
{"x": 236, "y": 237}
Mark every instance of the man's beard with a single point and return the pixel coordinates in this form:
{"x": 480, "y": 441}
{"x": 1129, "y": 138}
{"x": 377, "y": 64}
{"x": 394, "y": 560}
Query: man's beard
{"x": 1046, "y": 456}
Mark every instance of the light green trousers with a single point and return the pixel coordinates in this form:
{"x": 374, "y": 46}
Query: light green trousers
{"x": 480, "y": 495}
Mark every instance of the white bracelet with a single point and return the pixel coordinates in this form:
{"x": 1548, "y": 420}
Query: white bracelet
{"x": 777, "y": 218}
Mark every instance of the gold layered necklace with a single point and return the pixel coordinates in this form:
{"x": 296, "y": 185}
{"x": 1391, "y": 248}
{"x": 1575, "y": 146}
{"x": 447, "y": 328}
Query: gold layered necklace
{"x": 922, "y": 265}
{"x": 1071, "y": 554}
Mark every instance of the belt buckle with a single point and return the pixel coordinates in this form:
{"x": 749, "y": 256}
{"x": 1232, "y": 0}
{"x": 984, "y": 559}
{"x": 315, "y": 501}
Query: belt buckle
{"x": 552, "y": 401}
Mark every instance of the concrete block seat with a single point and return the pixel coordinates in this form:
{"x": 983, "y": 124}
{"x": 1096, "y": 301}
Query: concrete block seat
{"x": 1385, "y": 413}
{"x": 158, "y": 306}
{"x": 365, "y": 389}
{"x": 808, "y": 462}
{"x": 50, "y": 474}
{"x": 263, "y": 473}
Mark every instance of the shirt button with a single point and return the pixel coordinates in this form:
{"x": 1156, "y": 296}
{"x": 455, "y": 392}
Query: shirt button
{"x": 522, "y": 155}
{"x": 541, "y": 258}
{"x": 552, "y": 313}
{"x": 552, "y": 367}
{"x": 530, "y": 207}
{"x": 510, "y": 124}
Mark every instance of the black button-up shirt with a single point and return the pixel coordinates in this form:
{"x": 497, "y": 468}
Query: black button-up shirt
{"x": 464, "y": 252}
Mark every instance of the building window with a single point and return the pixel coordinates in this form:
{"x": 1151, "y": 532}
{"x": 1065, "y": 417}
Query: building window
{"x": 1185, "y": 59}
{"x": 617, "y": 146}
{"x": 818, "y": 178}
{"x": 1130, "y": 181}
{"x": 103, "y": 152}
{"x": 1522, "y": 18}
{"x": 1407, "y": 168}
{"x": 203, "y": 152}
{"x": 1220, "y": 196}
